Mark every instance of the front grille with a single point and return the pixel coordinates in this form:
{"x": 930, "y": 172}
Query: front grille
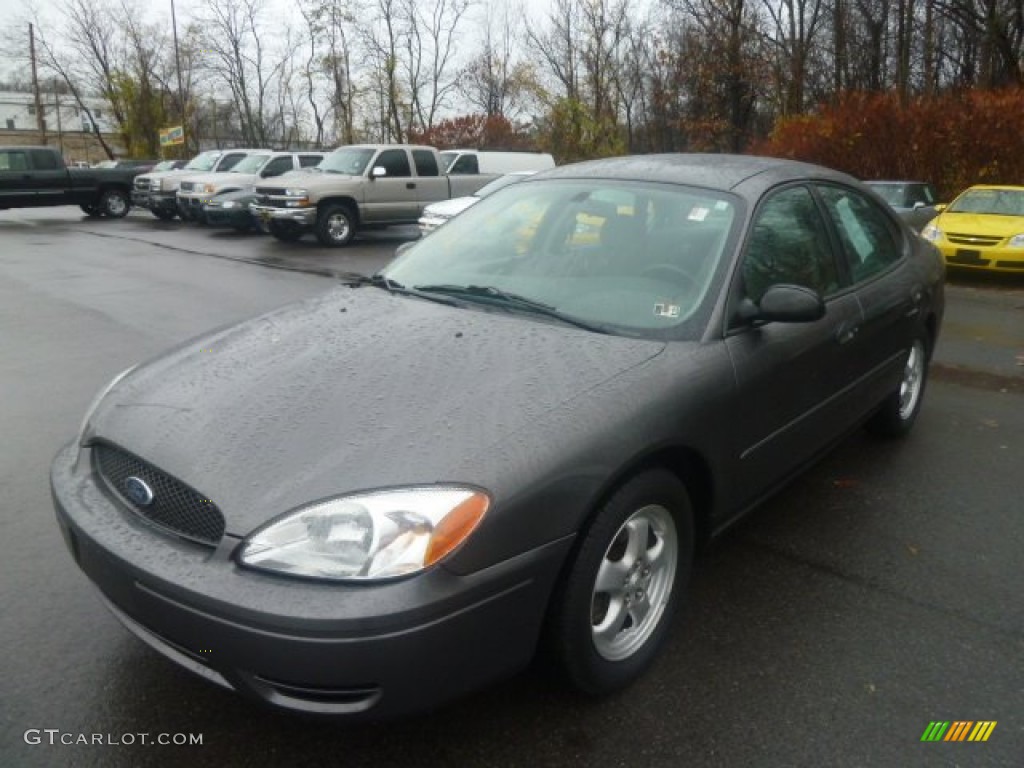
{"x": 979, "y": 240}
{"x": 186, "y": 186}
{"x": 142, "y": 185}
{"x": 175, "y": 506}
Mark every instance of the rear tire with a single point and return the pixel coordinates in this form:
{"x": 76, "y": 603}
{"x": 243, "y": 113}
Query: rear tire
{"x": 613, "y": 609}
{"x": 336, "y": 226}
{"x": 899, "y": 411}
{"x": 285, "y": 231}
{"x": 114, "y": 203}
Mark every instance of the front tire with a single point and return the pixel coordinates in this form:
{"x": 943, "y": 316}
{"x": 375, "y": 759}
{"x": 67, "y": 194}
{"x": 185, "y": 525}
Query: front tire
{"x": 114, "y": 203}
{"x": 612, "y": 611}
{"x": 336, "y": 226}
{"x": 899, "y": 411}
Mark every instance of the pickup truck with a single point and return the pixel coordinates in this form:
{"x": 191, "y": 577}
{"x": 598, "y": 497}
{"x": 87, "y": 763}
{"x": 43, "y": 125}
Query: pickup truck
{"x": 355, "y": 187}
{"x": 32, "y": 177}
{"x": 159, "y": 191}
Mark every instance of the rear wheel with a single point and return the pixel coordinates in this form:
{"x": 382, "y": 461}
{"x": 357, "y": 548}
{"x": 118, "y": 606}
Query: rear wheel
{"x": 114, "y": 203}
{"x": 613, "y": 609}
{"x": 285, "y": 231}
{"x": 899, "y": 411}
{"x": 336, "y": 226}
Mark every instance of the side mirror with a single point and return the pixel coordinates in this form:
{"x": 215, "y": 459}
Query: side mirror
{"x": 783, "y": 304}
{"x": 940, "y": 207}
{"x": 918, "y": 205}
{"x": 378, "y": 172}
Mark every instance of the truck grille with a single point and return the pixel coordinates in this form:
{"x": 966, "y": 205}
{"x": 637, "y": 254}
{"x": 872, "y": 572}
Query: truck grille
{"x": 186, "y": 186}
{"x": 174, "y": 507}
{"x": 141, "y": 185}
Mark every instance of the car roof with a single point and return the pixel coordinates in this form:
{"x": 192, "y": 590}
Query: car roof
{"x": 1008, "y": 187}
{"x": 713, "y": 171}
{"x": 879, "y": 181}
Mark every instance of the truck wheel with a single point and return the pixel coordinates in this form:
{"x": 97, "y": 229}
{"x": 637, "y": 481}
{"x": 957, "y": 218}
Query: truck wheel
{"x": 285, "y": 231}
{"x": 90, "y": 210}
{"x": 114, "y": 203}
{"x": 163, "y": 215}
{"x": 336, "y": 226}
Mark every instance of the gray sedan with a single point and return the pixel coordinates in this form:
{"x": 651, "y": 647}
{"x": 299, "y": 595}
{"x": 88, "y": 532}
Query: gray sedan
{"x": 517, "y": 434}
{"x": 913, "y": 201}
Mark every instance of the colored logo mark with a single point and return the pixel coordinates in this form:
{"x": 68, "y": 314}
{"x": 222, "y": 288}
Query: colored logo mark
{"x": 958, "y": 730}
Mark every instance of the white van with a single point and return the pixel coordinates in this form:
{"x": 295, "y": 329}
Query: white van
{"x": 473, "y": 161}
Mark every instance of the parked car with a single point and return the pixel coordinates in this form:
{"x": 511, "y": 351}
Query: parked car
{"x": 913, "y": 201}
{"x": 195, "y": 191}
{"x": 983, "y": 228}
{"x": 158, "y": 191}
{"x": 436, "y": 214}
{"x": 362, "y": 185}
{"x": 32, "y": 177}
{"x": 231, "y": 209}
{"x": 381, "y": 498}
{"x": 474, "y": 161}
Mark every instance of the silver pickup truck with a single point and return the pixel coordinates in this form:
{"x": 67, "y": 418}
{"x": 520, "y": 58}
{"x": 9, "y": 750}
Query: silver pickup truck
{"x": 357, "y": 186}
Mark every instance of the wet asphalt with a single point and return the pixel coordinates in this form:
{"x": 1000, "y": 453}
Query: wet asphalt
{"x": 879, "y": 592}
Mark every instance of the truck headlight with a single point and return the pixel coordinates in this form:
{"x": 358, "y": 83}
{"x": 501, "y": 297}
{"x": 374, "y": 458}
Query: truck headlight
{"x": 367, "y": 536}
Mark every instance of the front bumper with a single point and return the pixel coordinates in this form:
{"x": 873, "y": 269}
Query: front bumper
{"x": 998, "y": 259}
{"x": 156, "y": 201}
{"x": 217, "y": 216}
{"x": 304, "y": 217}
{"x": 358, "y": 651}
{"x": 191, "y": 206}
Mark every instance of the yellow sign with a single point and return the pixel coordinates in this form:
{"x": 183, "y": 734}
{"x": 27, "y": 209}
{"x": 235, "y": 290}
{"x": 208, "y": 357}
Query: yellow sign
{"x": 169, "y": 137}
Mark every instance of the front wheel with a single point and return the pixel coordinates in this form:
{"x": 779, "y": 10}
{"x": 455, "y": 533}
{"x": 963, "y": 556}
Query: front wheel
{"x": 899, "y": 411}
{"x": 114, "y": 203}
{"x": 613, "y": 609}
{"x": 336, "y": 226}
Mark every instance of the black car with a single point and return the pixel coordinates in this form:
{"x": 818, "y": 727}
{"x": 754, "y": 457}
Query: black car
{"x": 517, "y": 433}
{"x": 231, "y": 209}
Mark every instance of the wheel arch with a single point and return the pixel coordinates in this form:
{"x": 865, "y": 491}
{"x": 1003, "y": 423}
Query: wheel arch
{"x": 340, "y": 200}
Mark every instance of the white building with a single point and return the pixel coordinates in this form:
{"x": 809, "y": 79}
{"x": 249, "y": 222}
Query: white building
{"x": 18, "y": 113}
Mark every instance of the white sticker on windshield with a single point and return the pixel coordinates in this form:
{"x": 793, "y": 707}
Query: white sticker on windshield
{"x": 721, "y": 205}
{"x": 698, "y": 214}
{"x": 666, "y": 310}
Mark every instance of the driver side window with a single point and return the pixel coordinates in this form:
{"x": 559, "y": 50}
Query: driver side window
{"x": 788, "y": 244}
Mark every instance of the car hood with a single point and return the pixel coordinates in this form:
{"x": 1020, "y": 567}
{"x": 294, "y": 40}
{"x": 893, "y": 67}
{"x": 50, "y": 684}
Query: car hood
{"x": 356, "y": 389}
{"x": 180, "y": 173}
{"x": 307, "y": 180}
{"x": 981, "y": 224}
{"x": 449, "y": 208}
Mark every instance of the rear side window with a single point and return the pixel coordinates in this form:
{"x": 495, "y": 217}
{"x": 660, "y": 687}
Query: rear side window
{"x": 277, "y": 166}
{"x": 870, "y": 241}
{"x": 394, "y": 161}
{"x": 465, "y": 164}
{"x": 43, "y": 160}
{"x": 426, "y": 164}
{"x": 13, "y": 160}
{"x": 310, "y": 161}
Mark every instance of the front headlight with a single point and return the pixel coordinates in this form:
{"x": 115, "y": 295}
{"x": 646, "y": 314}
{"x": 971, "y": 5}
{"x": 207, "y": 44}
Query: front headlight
{"x": 931, "y": 232}
{"x": 1017, "y": 241}
{"x": 156, "y": 185}
{"x": 297, "y": 192}
{"x": 367, "y": 536}
{"x": 98, "y": 399}
{"x": 208, "y": 189}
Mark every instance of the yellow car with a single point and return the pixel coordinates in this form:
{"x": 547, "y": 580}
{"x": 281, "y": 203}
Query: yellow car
{"x": 982, "y": 229}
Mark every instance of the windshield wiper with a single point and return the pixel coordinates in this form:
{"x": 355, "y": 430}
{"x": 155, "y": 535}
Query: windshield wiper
{"x": 492, "y": 295}
{"x": 391, "y": 286}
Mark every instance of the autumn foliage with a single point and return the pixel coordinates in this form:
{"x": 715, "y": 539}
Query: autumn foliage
{"x": 953, "y": 141}
{"x": 475, "y": 131}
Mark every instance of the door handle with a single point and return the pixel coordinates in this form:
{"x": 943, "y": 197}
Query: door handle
{"x": 847, "y": 333}
{"x": 916, "y": 299}
{"x": 410, "y": 185}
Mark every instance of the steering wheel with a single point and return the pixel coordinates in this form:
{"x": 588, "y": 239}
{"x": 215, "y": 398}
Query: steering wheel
{"x": 672, "y": 271}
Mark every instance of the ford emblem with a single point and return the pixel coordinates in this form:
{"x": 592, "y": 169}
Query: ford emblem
{"x": 138, "y": 491}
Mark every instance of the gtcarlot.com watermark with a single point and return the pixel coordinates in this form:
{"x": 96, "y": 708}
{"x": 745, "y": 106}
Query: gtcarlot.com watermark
{"x": 55, "y": 736}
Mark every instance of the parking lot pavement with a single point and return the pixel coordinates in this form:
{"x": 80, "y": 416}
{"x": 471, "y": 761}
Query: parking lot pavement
{"x": 879, "y": 592}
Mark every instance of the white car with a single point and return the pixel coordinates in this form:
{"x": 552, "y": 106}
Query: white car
{"x": 436, "y": 214}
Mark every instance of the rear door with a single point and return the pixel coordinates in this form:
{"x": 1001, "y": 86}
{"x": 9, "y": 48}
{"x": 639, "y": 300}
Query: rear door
{"x": 792, "y": 378}
{"x": 888, "y": 288}
{"x": 431, "y": 186}
{"x": 18, "y": 186}
{"x": 50, "y": 179}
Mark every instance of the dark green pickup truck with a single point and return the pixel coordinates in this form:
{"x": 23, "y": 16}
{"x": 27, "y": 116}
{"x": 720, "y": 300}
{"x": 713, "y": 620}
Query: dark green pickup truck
{"x": 31, "y": 177}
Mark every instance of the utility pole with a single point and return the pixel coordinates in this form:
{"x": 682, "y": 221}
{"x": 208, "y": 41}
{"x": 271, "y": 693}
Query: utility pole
{"x": 60, "y": 128}
{"x": 40, "y": 120}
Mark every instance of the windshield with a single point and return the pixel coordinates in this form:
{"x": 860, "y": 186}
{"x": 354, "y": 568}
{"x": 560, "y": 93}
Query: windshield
{"x": 251, "y": 164}
{"x": 999, "y": 202}
{"x": 893, "y": 194}
{"x": 499, "y": 183}
{"x": 203, "y": 162}
{"x": 165, "y": 165}
{"x": 633, "y": 258}
{"x": 347, "y": 160}
{"x": 106, "y": 164}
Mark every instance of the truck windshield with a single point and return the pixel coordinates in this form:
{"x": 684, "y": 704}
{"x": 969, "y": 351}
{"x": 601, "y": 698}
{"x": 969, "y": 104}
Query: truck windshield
{"x": 203, "y": 161}
{"x": 347, "y": 160}
{"x": 251, "y": 164}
